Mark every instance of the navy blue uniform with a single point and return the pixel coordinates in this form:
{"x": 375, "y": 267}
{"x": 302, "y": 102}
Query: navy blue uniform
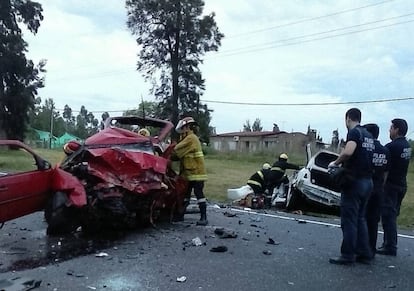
{"x": 395, "y": 189}
{"x": 380, "y": 162}
{"x": 355, "y": 194}
{"x": 259, "y": 181}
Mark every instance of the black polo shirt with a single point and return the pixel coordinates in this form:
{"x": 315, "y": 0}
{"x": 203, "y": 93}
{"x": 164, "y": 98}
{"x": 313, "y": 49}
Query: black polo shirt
{"x": 400, "y": 154}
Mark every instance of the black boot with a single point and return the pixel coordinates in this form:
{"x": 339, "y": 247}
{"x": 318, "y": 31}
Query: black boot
{"x": 180, "y": 216}
{"x": 203, "y": 214}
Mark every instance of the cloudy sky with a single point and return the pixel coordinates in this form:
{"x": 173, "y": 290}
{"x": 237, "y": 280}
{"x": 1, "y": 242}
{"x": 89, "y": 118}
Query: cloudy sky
{"x": 280, "y": 61}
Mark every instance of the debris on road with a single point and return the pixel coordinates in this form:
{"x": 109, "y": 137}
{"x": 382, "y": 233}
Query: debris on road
{"x": 181, "y": 279}
{"x": 218, "y": 249}
{"x": 196, "y": 241}
{"x": 19, "y": 283}
{"x": 229, "y": 214}
{"x": 101, "y": 255}
{"x": 272, "y": 242}
{"x": 267, "y": 252}
{"x": 225, "y": 233}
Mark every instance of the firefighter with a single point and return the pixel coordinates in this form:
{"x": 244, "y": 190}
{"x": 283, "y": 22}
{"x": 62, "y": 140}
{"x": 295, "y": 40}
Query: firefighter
{"x": 259, "y": 182}
{"x": 277, "y": 174}
{"x": 188, "y": 151}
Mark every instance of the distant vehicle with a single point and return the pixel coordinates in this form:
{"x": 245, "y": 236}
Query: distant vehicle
{"x": 312, "y": 183}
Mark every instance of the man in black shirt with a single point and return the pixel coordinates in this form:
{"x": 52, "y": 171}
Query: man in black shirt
{"x": 380, "y": 162}
{"x": 357, "y": 157}
{"x": 395, "y": 185}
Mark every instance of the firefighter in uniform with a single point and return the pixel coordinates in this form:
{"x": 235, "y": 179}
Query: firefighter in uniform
{"x": 188, "y": 151}
{"x": 259, "y": 182}
{"x": 278, "y": 171}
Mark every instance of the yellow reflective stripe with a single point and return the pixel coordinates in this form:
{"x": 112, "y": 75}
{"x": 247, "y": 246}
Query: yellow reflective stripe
{"x": 195, "y": 155}
{"x": 201, "y": 200}
{"x": 260, "y": 174}
{"x": 277, "y": 169}
{"x": 254, "y": 183}
{"x": 197, "y": 177}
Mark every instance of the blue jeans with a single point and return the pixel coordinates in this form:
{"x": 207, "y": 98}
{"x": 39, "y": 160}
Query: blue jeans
{"x": 393, "y": 196}
{"x": 354, "y": 199}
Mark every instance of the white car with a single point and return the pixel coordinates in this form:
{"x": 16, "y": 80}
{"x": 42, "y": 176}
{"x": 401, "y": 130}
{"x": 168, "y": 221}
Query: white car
{"x": 312, "y": 183}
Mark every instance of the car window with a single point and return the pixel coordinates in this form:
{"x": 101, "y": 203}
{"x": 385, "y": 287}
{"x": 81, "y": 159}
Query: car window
{"x": 15, "y": 160}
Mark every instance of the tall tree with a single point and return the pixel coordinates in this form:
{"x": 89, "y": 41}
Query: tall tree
{"x": 173, "y": 35}
{"x": 86, "y": 123}
{"x": 69, "y": 119}
{"x": 257, "y": 125}
{"x": 19, "y": 77}
{"x": 247, "y": 127}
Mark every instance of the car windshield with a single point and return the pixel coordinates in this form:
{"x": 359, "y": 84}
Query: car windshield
{"x": 145, "y": 147}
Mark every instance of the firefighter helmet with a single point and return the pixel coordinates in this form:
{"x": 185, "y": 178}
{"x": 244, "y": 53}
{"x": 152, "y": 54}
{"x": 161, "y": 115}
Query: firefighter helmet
{"x": 183, "y": 122}
{"x": 283, "y": 157}
{"x": 266, "y": 166}
{"x": 71, "y": 147}
{"x": 144, "y": 132}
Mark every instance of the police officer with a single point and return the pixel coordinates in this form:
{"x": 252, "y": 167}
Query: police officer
{"x": 189, "y": 152}
{"x": 380, "y": 163}
{"x": 357, "y": 159}
{"x": 395, "y": 185}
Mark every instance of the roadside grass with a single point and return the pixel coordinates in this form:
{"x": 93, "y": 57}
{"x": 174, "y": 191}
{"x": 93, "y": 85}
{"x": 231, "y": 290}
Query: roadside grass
{"x": 233, "y": 170}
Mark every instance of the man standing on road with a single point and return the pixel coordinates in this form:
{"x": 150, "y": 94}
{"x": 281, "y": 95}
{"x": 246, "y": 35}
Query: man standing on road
{"x": 395, "y": 185}
{"x": 189, "y": 152}
{"x": 380, "y": 162}
{"x": 357, "y": 159}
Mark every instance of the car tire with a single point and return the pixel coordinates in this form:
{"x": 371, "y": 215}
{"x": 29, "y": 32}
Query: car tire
{"x": 58, "y": 216}
{"x": 294, "y": 199}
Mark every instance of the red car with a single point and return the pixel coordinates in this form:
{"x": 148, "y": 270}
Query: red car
{"x": 27, "y": 181}
{"x": 119, "y": 178}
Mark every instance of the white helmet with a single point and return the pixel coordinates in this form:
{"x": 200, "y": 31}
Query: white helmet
{"x": 266, "y": 166}
{"x": 183, "y": 122}
{"x": 283, "y": 157}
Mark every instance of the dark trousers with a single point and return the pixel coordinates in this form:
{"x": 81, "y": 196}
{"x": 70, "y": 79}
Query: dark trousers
{"x": 393, "y": 196}
{"x": 354, "y": 199}
{"x": 198, "y": 187}
{"x": 374, "y": 214}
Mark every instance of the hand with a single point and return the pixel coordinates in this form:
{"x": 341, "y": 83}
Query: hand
{"x": 332, "y": 165}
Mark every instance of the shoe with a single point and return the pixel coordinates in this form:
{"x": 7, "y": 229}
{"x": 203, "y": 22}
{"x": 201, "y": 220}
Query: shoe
{"x": 341, "y": 261}
{"x": 363, "y": 260}
{"x": 385, "y": 252}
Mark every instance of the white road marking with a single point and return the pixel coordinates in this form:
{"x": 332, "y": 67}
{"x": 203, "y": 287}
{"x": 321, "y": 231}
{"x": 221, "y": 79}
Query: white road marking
{"x": 305, "y": 220}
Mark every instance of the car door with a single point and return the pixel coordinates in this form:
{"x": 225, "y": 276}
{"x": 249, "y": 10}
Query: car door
{"x": 25, "y": 180}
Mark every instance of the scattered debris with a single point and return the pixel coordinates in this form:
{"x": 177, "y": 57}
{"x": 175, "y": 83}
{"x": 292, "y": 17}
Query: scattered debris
{"x": 219, "y": 249}
{"x": 267, "y": 252}
{"x": 225, "y": 233}
{"x": 101, "y": 255}
{"x": 196, "y": 241}
{"x": 229, "y": 214}
{"x": 91, "y": 287}
{"x": 72, "y": 273}
{"x": 391, "y": 266}
{"x": 291, "y": 283}
{"x": 302, "y": 221}
{"x": 272, "y": 242}
{"x": 299, "y": 212}
{"x": 19, "y": 283}
{"x": 181, "y": 279}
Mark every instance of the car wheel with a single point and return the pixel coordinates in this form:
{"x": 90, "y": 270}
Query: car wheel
{"x": 294, "y": 199}
{"x": 59, "y": 217}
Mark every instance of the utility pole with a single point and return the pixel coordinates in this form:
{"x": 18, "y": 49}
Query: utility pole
{"x": 51, "y": 127}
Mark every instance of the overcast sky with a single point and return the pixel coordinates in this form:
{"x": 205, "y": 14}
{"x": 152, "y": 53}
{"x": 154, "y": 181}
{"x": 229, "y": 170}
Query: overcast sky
{"x": 274, "y": 52}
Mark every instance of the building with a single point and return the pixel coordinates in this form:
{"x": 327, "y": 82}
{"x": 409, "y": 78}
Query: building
{"x": 264, "y": 141}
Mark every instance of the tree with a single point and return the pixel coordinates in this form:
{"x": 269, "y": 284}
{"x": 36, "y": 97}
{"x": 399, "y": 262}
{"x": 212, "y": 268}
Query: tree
{"x": 86, "y": 123}
{"x": 247, "y": 126}
{"x": 19, "y": 77}
{"x": 257, "y": 125}
{"x": 172, "y": 37}
{"x": 69, "y": 119}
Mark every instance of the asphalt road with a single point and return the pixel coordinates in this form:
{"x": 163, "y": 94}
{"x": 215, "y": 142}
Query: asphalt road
{"x": 157, "y": 259}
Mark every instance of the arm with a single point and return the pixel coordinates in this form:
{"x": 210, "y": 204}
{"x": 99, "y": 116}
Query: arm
{"x": 346, "y": 153}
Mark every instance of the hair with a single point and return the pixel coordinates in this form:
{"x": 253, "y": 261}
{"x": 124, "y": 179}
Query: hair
{"x": 401, "y": 124}
{"x": 372, "y": 129}
{"x": 354, "y": 114}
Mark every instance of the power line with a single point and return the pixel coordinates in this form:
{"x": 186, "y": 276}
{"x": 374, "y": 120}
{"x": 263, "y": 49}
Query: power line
{"x": 309, "y": 19}
{"x": 310, "y": 104}
{"x": 317, "y": 33}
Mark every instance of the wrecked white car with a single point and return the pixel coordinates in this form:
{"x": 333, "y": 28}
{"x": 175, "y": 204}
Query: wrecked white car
{"x": 312, "y": 183}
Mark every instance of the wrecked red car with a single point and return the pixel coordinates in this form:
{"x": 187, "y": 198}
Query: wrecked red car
{"x": 125, "y": 175}
{"x": 27, "y": 182}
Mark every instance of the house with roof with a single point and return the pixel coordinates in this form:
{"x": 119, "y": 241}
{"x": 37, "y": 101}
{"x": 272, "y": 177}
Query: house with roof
{"x": 264, "y": 141}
